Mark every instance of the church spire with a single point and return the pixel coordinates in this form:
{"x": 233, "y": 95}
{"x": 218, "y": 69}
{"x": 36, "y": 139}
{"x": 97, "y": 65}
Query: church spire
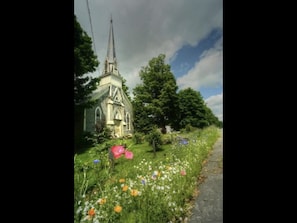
{"x": 111, "y": 55}
{"x": 110, "y": 65}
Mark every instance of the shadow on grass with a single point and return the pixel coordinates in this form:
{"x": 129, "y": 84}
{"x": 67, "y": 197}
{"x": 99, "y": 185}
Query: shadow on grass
{"x": 80, "y": 149}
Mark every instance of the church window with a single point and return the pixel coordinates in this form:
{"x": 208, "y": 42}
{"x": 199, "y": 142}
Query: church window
{"x": 97, "y": 115}
{"x": 117, "y": 115}
{"x": 128, "y": 121}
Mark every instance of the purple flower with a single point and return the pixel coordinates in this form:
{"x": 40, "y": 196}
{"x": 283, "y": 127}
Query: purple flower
{"x": 96, "y": 161}
{"x": 183, "y": 142}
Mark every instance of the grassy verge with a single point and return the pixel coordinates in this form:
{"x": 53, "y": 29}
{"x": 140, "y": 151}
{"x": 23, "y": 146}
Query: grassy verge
{"x": 144, "y": 189}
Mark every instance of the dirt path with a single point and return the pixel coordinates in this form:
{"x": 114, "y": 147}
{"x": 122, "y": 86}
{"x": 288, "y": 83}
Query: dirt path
{"x": 209, "y": 203}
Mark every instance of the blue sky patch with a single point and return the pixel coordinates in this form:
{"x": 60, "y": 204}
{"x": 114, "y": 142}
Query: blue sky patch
{"x": 188, "y": 55}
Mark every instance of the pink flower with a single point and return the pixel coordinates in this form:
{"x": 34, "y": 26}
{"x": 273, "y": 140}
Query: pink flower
{"x": 183, "y": 172}
{"x": 117, "y": 151}
{"x": 128, "y": 154}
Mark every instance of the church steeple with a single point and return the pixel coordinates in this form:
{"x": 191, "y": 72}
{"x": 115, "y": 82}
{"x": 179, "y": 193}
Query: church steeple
{"x": 111, "y": 61}
{"x": 111, "y": 55}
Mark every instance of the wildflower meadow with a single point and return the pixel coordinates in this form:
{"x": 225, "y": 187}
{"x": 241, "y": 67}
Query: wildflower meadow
{"x": 141, "y": 187}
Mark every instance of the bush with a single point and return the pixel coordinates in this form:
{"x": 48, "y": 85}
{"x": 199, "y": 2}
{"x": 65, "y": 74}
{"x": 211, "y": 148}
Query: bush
{"x": 89, "y": 139}
{"x": 138, "y": 138}
{"x": 189, "y": 128}
{"x": 104, "y": 135}
{"x": 154, "y": 138}
{"x": 167, "y": 139}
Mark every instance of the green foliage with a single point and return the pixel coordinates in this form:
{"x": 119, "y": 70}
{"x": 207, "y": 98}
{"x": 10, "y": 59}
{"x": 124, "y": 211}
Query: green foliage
{"x": 85, "y": 61}
{"x": 192, "y": 109}
{"x": 154, "y": 139}
{"x": 126, "y": 88}
{"x": 89, "y": 139}
{"x": 212, "y": 119}
{"x": 189, "y": 128}
{"x": 155, "y": 100}
{"x": 157, "y": 103}
{"x": 138, "y": 137}
{"x": 142, "y": 119}
{"x": 168, "y": 139}
{"x": 103, "y": 135}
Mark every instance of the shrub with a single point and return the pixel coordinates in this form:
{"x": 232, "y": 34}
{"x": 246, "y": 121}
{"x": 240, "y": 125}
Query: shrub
{"x": 154, "y": 138}
{"x": 167, "y": 139}
{"x": 189, "y": 128}
{"x": 138, "y": 138}
{"x": 104, "y": 135}
{"x": 89, "y": 139}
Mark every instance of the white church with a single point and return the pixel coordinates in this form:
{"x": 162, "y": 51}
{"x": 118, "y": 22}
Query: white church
{"x": 113, "y": 108}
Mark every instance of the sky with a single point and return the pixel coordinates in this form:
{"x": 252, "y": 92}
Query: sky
{"x": 188, "y": 32}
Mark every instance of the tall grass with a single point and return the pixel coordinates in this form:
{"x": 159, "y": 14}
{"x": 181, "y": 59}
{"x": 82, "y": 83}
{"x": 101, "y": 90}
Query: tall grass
{"x": 145, "y": 189}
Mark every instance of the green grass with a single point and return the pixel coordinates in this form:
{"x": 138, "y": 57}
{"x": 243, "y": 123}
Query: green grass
{"x": 148, "y": 188}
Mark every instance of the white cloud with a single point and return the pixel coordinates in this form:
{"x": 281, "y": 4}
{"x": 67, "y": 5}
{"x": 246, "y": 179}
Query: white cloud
{"x": 207, "y": 72}
{"x": 215, "y": 103}
{"x": 143, "y": 29}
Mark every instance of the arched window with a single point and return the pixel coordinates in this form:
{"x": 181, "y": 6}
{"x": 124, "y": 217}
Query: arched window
{"x": 97, "y": 115}
{"x": 128, "y": 121}
{"x": 117, "y": 115}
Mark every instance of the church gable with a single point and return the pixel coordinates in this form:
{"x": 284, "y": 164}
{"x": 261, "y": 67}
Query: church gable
{"x": 116, "y": 95}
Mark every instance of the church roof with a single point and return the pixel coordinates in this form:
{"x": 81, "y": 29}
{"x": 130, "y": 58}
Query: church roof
{"x": 101, "y": 90}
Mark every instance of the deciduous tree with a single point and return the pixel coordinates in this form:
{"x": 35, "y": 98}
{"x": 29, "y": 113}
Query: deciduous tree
{"x": 194, "y": 111}
{"x": 155, "y": 100}
{"x": 85, "y": 61}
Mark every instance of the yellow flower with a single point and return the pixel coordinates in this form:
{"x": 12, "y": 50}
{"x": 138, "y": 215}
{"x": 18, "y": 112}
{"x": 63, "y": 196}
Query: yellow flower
{"x": 122, "y": 180}
{"x": 118, "y": 208}
{"x": 134, "y": 192}
{"x": 125, "y": 188}
{"x": 102, "y": 201}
